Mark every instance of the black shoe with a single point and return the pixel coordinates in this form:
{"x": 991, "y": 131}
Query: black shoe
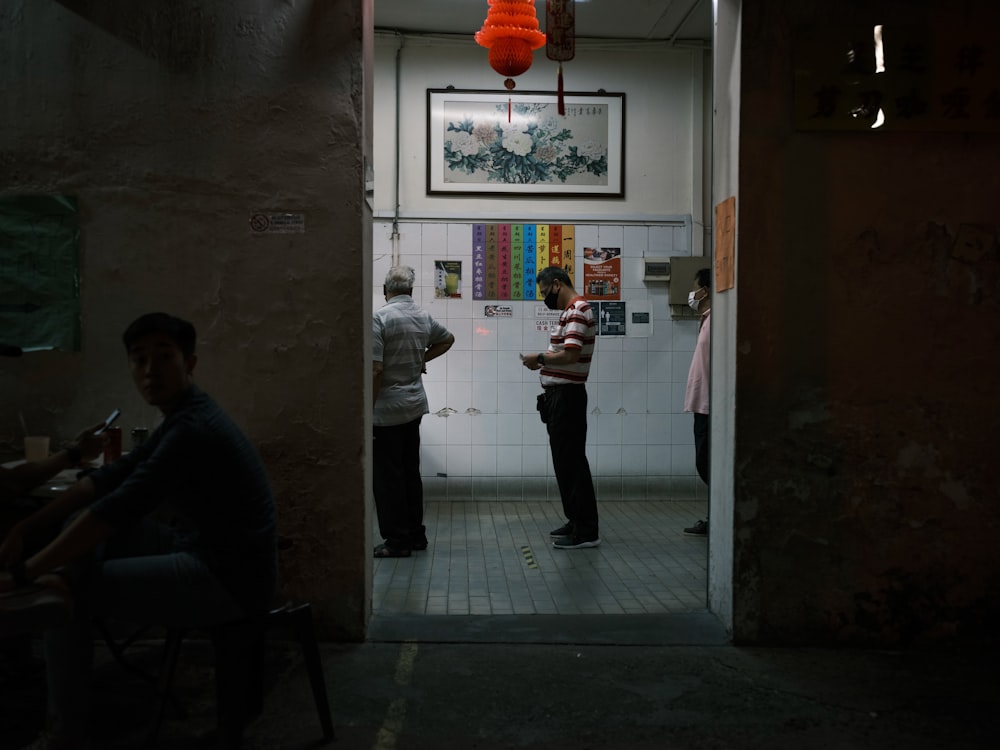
{"x": 565, "y": 530}
{"x": 419, "y": 546}
{"x": 575, "y": 542}
{"x": 699, "y": 529}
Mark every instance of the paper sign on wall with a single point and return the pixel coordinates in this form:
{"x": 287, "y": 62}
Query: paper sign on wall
{"x": 602, "y": 273}
{"x": 262, "y": 222}
{"x": 725, "y": 244}
{"x": 448, "y": 279}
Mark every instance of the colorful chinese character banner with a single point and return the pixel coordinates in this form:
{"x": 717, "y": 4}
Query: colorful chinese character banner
{"x": 506, "y": 258}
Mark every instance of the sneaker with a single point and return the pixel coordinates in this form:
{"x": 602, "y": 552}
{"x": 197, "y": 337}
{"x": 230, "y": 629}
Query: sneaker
{"x": 565, "y": 530}
{"x": 573, "y": 542}
{"x": 699, "y": 529}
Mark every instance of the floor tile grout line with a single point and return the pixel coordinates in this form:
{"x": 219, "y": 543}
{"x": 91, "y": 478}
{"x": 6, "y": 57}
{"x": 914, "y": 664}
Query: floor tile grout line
{"x": 486, "y": 535}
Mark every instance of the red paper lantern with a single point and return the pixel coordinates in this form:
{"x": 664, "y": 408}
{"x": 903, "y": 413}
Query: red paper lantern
{"x": 510, "y": 33}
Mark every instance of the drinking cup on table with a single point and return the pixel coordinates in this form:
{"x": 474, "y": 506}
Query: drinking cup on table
{"x": 36, "y": 447}
{"x": 112, "y": 444}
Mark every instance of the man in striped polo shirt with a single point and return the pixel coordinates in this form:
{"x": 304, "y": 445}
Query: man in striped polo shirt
{"x": 563, "y": 406}
{"x": 405, "y": 339}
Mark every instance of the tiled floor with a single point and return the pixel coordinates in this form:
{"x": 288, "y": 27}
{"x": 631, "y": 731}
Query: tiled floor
{"x": 497, "y": 559}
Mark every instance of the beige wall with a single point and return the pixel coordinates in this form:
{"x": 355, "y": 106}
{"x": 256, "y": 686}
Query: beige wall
{"x": 662, "y": 141}
{"x": 865, "y": 462}
{"x": 171, "y": 124}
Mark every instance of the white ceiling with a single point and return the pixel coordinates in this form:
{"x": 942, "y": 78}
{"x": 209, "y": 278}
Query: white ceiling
{"x": 605, "y": 19}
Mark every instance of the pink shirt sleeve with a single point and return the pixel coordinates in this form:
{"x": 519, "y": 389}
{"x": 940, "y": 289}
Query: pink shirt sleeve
{"x": 696, "y": 393}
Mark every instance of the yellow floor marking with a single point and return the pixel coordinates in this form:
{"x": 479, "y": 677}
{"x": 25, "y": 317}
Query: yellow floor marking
{"x": 404, "y": 666}
{"x": 395, "y": 715}
{"x": 529, "y": 557}
{"x": 391, "y": 727}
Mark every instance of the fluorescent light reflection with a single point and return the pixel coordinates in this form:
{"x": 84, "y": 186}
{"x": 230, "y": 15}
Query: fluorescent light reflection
{"x": 879, "y": 52}
{"x": 879, "y": 68}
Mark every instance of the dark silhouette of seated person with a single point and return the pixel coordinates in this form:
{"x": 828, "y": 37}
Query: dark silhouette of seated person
{"x": 215, "y": 562}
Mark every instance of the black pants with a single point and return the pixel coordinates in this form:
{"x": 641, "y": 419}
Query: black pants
{"x": 399, "y": 492}
{"x": 566, "y": 418}
{"x": 701, "y": 445}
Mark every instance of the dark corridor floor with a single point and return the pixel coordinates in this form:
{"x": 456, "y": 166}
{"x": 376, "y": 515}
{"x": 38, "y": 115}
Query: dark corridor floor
{"x": 488, "y": 696}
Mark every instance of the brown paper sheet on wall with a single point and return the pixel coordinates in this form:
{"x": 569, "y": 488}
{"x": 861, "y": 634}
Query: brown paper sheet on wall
{"x": 725, "y": 244}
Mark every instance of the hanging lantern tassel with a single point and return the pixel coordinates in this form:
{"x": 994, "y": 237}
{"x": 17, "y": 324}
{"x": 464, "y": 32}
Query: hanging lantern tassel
{"x": 560, "y": 34}
{"x": 560, "y": 92}
{"x": 509, "y": 85}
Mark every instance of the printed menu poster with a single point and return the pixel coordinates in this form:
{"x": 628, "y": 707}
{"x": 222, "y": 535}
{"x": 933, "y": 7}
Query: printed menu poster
{"x": 602, "y": 273}
{"x": 448, "y": 279}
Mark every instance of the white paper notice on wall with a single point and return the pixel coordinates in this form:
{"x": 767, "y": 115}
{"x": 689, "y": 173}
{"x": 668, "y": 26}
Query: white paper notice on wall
{"x": 277, "y": 222}
{"x": 545, "y": 319}
{"x": 640, "y": 319}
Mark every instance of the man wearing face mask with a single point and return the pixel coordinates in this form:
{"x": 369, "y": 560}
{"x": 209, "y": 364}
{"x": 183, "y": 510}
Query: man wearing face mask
{"x": 696, "y": 394}
{"x": 563, "y": 406}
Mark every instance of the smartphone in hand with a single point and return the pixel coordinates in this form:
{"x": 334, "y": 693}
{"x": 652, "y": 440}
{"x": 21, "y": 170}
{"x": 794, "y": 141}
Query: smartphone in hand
{"x": 109, "y": 421}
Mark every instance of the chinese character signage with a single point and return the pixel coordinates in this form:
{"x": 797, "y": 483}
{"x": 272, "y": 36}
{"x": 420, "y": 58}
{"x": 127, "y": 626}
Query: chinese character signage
{"x": 506, "y": 258}
{"x": 896, "y": 78}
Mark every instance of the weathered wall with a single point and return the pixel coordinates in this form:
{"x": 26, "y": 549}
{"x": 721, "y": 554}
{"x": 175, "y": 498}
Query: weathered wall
{"x": 171, "y": 122}
{"x": 865, "y": 468}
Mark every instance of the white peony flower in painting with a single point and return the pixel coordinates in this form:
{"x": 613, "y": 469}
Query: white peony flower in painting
{"x": 533, "y": 147}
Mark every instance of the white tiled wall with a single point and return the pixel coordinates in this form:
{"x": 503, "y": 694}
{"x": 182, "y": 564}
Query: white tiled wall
{"x": 491, "y": 445}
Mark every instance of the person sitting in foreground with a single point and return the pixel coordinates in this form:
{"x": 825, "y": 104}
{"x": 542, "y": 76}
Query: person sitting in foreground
{"x": 217, "y": 563}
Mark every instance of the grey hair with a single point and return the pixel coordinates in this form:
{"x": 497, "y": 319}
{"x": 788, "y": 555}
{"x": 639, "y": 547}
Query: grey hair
{"x": 399, "y": 279}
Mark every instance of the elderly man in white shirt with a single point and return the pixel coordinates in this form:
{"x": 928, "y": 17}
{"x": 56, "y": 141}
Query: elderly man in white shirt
{"x": 405, "y": 339}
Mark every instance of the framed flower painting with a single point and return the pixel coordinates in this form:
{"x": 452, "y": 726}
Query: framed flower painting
{"x": 519, "y": 144}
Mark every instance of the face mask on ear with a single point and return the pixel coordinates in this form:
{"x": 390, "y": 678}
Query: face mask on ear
{"x": 552, "y": 300}
{"x": 693, "y": 303}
